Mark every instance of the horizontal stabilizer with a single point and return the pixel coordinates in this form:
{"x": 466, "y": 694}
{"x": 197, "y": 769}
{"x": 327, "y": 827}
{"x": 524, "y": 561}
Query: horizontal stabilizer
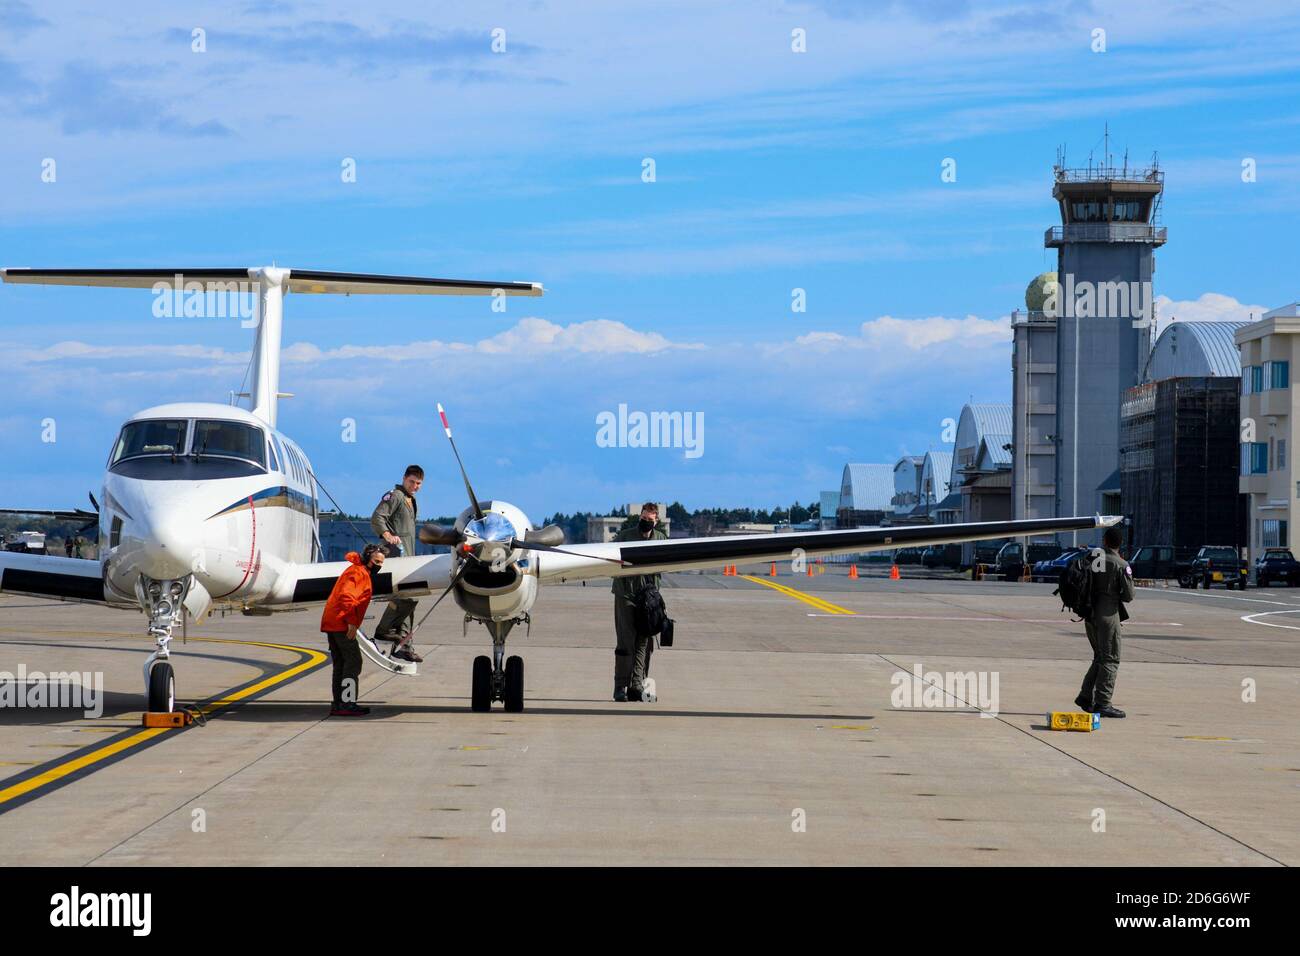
{"x": 295, "y": 280}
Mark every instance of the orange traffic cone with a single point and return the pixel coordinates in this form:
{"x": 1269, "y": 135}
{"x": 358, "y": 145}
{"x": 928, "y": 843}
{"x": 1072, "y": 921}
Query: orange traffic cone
{"x": 810, "y": 571}
{"x": 893, "y": 572}
{"x": 772, "y": 573}
{"x": 853, "y": 571}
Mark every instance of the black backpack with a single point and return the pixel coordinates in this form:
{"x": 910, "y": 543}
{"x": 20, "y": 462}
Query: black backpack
{"x": 1075, "y": 586}
{"x": 650, "y": 614}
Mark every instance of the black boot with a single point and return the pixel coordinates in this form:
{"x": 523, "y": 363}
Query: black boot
{"x": 1113, "y": 713}
{"x": 1082, "y": 704}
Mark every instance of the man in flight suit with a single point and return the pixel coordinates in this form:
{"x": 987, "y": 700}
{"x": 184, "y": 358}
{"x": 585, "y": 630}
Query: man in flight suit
{"x": 394, "y": 521}
{"x": 632, "y": 653}
{"x": 1112, "y": 588}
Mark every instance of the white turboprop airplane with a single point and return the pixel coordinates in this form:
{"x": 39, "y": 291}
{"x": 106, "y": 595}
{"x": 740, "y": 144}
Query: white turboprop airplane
{"x": 210, "y": 505}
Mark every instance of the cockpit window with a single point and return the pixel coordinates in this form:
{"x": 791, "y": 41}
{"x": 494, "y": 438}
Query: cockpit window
{"x": 157, "y": 437}
{"x": 223, "y": 439}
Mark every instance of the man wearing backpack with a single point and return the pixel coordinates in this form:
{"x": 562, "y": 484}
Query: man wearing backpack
{"x": 631, "y": 651}
{"x": 1112, "y": 588}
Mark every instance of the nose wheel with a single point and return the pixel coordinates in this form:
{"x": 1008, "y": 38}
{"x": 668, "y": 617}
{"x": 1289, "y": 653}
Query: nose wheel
{"x": 162, "y": 688}
{"x": 504, "y": 684}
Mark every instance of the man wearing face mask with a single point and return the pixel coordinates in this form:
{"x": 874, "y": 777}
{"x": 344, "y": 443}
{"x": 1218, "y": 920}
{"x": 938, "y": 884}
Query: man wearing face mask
{"x": 632, "y": 653}
{"x": 343, "y": 614}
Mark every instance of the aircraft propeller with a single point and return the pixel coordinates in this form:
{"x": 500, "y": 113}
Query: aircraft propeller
{"x": 535, "y": 539}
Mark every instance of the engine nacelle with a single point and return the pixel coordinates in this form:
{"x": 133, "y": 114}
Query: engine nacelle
{"x": 502, "y": 584}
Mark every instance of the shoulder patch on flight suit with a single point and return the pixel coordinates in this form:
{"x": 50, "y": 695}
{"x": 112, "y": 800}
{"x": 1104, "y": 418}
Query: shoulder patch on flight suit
{"x": 387, "y": 497}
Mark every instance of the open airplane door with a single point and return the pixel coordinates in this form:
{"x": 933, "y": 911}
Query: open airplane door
{"x": 370, "y": 650}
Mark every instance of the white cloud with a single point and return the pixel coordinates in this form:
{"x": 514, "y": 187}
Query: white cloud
{"x": 916, "y": 334}
{"x": 598, "y": 335}
{"x": 889, "y": 333}
{"x": 1210, "y": 307}
{"x": 528, "y": 336}
{"x": 71, "y": 350}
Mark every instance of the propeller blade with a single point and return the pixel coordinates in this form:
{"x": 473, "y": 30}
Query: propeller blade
{"x": 91, "y": 496}
{"x": 473, "y": 498}
{"x": 440, "y": 534}
{"x": 534, "y": 546}
{"x": 552, "y": 534}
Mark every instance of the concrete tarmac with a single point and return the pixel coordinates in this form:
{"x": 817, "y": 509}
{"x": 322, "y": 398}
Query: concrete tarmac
{"x": 779, "y": 737}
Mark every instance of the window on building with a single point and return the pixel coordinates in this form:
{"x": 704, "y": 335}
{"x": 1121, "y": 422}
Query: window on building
{"x": 1087, "y": 212}
{"x": 1257, "y": 378}
{"x": 1279, "y": 375}
{"x": 1127, "y": 211}
{"x": 1281, "y": 454}
{"x": 1273, "y": 532}
{"x": 1254, "y": 458}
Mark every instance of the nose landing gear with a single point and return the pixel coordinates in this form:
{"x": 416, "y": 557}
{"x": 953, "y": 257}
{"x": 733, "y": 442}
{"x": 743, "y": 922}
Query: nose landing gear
{"x": 492, "y": 681}
{"x": 163, "y": 601}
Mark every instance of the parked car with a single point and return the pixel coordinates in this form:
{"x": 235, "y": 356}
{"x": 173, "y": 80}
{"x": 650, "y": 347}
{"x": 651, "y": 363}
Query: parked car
{"x": 1010, "y": 562}
{"x": 986, "y": 552}
{"x": 1216, "y": 564}
{"x": 1050, "y": 571}
{"x": 942, "y": 556}
{"x": 1277, "y": 564}
{"x": 1155, "y": 561}
{"x": 1041, "y": 552}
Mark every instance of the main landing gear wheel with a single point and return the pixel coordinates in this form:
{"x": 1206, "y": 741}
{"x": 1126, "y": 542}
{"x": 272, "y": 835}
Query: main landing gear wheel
{"x": 162, "y": 688}
{"x": 513, "y": 692}
{"x": 481, "y": 689}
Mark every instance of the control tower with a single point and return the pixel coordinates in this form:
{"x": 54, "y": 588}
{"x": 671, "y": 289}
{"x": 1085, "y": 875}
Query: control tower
{"x": 1104, "y": 311}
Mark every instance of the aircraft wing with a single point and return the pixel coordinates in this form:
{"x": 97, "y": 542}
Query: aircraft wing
{"x": 582, "y": 561}
{"x": 74, "y": 515}
{"x": 413, "y": 577}
{"x": 48, "y": 576}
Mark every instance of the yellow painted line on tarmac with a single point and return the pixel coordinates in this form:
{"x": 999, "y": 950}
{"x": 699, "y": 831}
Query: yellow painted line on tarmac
{"x": 788, "y": 591}
{"x": 71, "y": 766}
{"x": 314, "y": 659}
{"x": 60, "y": 771}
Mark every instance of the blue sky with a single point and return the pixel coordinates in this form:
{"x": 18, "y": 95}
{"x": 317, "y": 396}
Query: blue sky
{"x": 775, "y": 170}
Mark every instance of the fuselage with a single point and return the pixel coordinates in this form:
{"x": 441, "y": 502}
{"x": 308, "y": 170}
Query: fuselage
{"x": 208, "y": 490}
{"x": 213, "y": 492}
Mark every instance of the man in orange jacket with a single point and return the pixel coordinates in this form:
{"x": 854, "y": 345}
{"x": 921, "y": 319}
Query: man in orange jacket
{"x": 344, "y": 612}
